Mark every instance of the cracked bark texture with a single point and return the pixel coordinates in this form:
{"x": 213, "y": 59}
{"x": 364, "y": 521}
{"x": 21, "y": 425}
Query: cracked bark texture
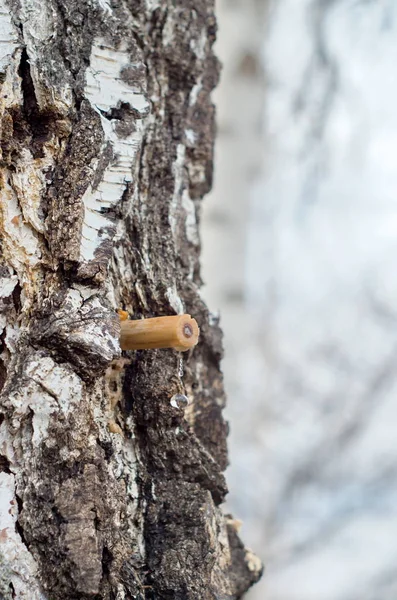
{"x": 107, "y": 127}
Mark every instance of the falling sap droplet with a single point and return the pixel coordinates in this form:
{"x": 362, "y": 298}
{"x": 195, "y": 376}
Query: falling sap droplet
{"x": 180, "y": 366}
{"x": 179, "y": 401}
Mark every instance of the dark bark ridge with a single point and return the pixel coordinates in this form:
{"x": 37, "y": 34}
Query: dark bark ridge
{"x": 118, "y": 493}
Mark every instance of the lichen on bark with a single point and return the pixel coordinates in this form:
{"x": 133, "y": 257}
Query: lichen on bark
{"x": 107, "y": 126}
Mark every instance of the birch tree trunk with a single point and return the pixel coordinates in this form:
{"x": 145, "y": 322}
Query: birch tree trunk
{"x": 106, "y": 489}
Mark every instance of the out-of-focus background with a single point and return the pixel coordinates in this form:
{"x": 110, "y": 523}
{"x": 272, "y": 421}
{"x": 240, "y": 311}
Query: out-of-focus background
{"x": 300, "y": 256}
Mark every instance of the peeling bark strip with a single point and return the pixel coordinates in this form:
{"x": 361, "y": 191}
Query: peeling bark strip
{"x": 106, "y": 489}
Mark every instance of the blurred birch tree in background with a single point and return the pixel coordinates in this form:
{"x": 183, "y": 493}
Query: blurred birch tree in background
{"x": 304, "y": 220}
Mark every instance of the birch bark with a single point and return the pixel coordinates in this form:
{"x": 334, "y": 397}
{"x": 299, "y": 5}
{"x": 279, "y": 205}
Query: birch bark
{"x": 106, "y": 489}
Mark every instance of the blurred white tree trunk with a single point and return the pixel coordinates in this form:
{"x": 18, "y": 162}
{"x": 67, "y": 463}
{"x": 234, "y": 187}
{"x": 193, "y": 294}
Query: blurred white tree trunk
{"x": 317, "y": 396}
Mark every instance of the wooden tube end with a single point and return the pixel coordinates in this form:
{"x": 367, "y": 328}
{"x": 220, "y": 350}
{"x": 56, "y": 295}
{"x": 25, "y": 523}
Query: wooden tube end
{"x": 180, "y": 332}
{"x": 188, "y": 333}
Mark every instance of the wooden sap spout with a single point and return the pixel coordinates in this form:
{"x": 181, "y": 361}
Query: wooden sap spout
{"x": 180, "y": 332}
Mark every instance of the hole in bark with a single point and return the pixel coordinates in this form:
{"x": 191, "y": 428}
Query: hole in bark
{"x": 59, "y": 519}
{"x": 115, "y": 113}
{"x": 107, "y": 447}
{"x": 30, "y": 104}
{"x": 18, "y": 525}
{"x": 3, "y": 369}
{"x": 38, "y": 121}
{"x": 3, "y": 377}
{"x": 12, "y": 590}
{"x": 127, "y": 402}
{"x": 16, "y": 296}
{"x": 120, "y": 113}
{"x": 107, "y": 558}
{"x": 4, "y": 463}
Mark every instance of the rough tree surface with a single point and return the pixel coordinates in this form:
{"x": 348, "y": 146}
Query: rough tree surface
{"x": 107, "y": 127}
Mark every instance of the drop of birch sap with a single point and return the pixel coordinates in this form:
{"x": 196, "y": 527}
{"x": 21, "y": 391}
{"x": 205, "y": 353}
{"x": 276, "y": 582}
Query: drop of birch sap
{"x": 179, "y": 401}
{"x": 180, "y": 366}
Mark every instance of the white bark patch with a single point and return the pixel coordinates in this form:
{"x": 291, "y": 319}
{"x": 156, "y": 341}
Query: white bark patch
{"x": 8, "y": 36}
{"x": 7, "y": 285}
{"x": 17, "y": 565}
{"x": 20, "y": 241}
{"x": 52, "y": 390}
{"x": 181, "y": 198}
{"x": 105, "y": 6}
{"x": 168, "y": 30}
{"x": 199, "y": 46}
{"x": 191, "y": 221}
{"x": 91, "y": 331}
{"x": 20, "y": 244}
{"x": 84, "y": 292}
{"x": 178, "y": 169}
{"x": 151, "y": 5}
{"x": 105, "y": 89}
{"x": 196, "y": 89}
{"x": 126, "y": 462}
{"x": 38, "y": 22}
{"x": 190, "y": 136}
{"x": 63, "y": 385}
{"x": 175, "y": 300}
{"x": 11, "y": 338}
{"x": 29, "y": 184}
